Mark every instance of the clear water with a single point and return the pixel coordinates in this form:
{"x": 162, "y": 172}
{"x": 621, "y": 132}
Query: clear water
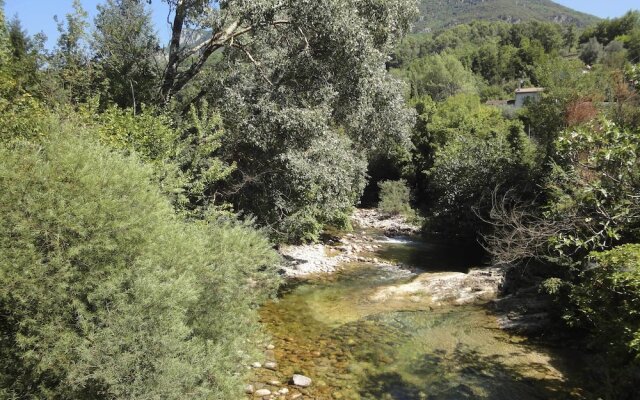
{"x": 353, "y": 348}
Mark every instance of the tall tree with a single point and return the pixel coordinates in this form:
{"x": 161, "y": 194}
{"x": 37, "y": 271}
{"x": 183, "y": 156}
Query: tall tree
{"x": 125, "y": 47}
{"x": 293, "y": 81}
{"x": 27, "y": 55}
{"x": 71, "y": 58}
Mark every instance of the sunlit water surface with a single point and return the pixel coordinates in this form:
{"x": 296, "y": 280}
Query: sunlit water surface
{"x": 354, "y": 348}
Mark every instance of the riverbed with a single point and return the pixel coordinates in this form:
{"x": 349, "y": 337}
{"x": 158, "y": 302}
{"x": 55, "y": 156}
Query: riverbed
{"x": 333, "y": 329}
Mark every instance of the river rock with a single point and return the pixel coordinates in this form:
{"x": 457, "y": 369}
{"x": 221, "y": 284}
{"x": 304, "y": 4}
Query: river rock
{"x": 271, "y": 365}
{"x": 270, "y": 347}
{"x": 274, "y": 383}
{"x": 283, "y": 391}
{"x": 249, "y": 389}
{"x": 301, "y": 380}
{"x": 263, "y": 392}
{"x": 256, "y": 365}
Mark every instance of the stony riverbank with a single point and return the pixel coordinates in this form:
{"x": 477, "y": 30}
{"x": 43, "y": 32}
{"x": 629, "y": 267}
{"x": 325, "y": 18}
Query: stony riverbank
{"x": 371, "y": 230}
{"x": 313, "y": 259}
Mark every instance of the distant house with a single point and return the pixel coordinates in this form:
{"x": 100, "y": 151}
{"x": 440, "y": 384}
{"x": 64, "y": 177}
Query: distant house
{"x": 525, "y": 95}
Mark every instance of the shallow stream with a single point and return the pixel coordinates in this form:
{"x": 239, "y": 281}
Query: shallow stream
{"x": 353, "y": 348}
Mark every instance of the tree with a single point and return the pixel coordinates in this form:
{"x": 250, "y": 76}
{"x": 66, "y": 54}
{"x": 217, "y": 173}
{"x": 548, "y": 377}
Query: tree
{"x": 284, "y": 100}
{"x": 71, "y": 59}
{"x": 570, "y": 37}
{"x": 440, "y": 76}
{"x": 125, "y": 48}
{"x": 26, "y": 56}
{"x": 591, "y": 201}
{"x": 633, "y": 45}
{"x": 306, "y": 25}
{"x": 465, "y": 174}
{"x": 591, "y": 51}
{"x": 5, "y": 54}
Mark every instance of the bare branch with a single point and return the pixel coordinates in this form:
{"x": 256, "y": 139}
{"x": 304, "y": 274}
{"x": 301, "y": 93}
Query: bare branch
{"x": 174, "y": 79}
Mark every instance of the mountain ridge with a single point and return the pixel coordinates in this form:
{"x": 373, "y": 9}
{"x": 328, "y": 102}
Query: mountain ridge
{"x": 437, "y": 14}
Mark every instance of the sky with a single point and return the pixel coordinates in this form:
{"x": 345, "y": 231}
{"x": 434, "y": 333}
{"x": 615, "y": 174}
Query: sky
{"x": 37, "y": 15}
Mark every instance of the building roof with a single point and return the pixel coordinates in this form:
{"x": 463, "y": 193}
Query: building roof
{"x": 530, "y": 90}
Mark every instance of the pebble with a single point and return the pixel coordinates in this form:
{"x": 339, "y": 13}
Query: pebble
{"x": 301, "y": 380}
{"x": 256, "y": 365}
{"x": 283, "y": 391}
{"x": 248, "y": 389}
{"x": 270, "y": 347}
{"x": 271, "y": 365}
{"x": 274, "y": 383}
{"x": 296, "y": 396}
{"x": 263, "y": 392}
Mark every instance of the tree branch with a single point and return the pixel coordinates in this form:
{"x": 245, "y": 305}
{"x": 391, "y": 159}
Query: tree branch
{"x": 174, "y": 80}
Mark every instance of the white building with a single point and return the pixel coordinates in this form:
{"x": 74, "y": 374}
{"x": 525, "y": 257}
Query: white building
{"x": 525, "y": 95}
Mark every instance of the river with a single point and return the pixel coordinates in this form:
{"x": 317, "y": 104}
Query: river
{"x": 328, "y": 329}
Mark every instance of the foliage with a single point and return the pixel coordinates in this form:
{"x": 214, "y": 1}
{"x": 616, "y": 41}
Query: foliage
{"x": 298, "y": 125}
{"x": 184, "y": 155}
{"x": 591, "y": 202}
{"x": 105, "y": 293}
{"x": 439, "y": 76}
{"x": 633, "y": 75}
{"x": 465, "y": 173}
{"x": 395, "y": 198}
{"x": 592, "y": 51}
{"x": 595, "y": 180}
{"x": 124, "y": 46}
{"x": 499, "y": 54}
{"x": 198, "y": 158}
{"x": 606, "y": 301}
{"x": 70, "y": 62}
{"x": 610, "y": 29}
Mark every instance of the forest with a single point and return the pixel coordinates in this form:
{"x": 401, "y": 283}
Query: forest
{"x": 146, "y": 186}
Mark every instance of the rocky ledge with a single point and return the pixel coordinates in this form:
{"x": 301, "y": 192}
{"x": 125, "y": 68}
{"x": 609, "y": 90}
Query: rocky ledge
{"x": 434, "y": 289}
{"x": 391, "y": 225}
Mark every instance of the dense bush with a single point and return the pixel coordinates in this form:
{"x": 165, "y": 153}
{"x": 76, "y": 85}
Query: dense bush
{"x": 607, "y": 301}
{"x": 463, "y": 151}
{"x": 395, "y": 198}
{"x": 595, "y": 183}
{"x": 105, "y": 293}
{"x": 439, "y": 76}
{"x": 466, "y": 173}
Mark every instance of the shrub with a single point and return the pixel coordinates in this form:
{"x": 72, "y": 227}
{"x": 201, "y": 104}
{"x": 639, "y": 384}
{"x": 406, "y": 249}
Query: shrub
{"x": 607, "y": 301}
{"x": 395, "y": 198}
{"x": 105, "y": 293}
{"x": 466, "y": 173}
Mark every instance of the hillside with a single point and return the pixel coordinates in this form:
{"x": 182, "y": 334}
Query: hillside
{"x": 436, "y": 14}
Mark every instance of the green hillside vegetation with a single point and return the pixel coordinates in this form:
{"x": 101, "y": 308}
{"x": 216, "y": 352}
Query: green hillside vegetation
{"x": 437, "y": 14}
{"x": 551, "y": 190}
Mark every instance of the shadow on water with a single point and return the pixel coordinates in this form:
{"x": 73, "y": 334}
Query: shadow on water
{"x": 465, "y": 374}
{"x": 432, "y": 256}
